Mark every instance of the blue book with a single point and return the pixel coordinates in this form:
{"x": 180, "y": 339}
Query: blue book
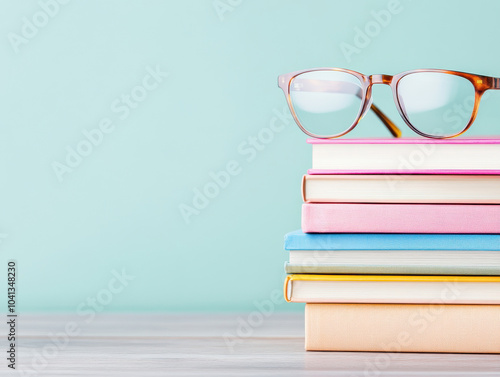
{"x": 398, "y": 254}
{"x": 298, "y": 240}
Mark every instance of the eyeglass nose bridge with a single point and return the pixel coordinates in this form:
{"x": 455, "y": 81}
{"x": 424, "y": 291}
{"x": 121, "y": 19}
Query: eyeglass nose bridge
{"x": 381, "y": 79}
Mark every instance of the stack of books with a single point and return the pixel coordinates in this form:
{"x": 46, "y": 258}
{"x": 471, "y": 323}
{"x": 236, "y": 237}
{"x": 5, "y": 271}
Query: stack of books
{"x": 400, "y": 246}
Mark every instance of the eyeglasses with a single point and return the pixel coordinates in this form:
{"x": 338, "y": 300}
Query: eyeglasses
{"x": 329, "y": 102}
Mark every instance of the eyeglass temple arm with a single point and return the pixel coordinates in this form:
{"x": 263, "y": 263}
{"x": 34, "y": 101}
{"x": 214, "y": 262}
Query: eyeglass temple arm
{"x": 393, "y": 129}
{"x": 495, "y": 83}
{"x": 344, "y": 87}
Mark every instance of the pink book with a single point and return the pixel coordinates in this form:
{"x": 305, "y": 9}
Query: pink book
{"x": 399, "y": 172}
{"x": 400, "y": 218}
{"x": 405, "y": 156}
{"x": 409, "y": 140}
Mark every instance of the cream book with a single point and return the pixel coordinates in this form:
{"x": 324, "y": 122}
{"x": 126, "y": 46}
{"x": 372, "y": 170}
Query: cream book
{"x": 409, "y": 188}
{"x": 403, "y": 328}
{"x": 392, "y": 289}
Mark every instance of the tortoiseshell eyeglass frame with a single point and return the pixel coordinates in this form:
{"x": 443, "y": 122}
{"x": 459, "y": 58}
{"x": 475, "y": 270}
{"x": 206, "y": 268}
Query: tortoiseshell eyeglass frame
{"x": 480, "y": 83}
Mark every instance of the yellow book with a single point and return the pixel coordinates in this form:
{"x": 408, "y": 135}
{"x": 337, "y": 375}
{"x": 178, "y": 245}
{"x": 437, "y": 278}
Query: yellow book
{"x": 393, "y": 289}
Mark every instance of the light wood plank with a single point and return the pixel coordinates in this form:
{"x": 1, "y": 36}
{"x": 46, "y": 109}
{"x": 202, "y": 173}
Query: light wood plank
{"x": 194, "y": 345}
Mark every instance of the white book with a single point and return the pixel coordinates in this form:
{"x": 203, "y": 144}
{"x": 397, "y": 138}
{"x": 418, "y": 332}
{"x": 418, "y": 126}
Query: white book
{"x": 406, "y": 154}
{"x": 409, "y": 188}
{"x": 414, "y": 262}
{"x": 393, "y": 289}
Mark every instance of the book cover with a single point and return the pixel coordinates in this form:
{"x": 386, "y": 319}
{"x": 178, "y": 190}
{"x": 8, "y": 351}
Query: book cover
{"x": 404, "y": 172}
{"x": 409, "y": 188}
{"x": 402, "y": 269}
{"x": 402, "y": 328}
{"x": 400, "y": 218}
{"x": 491, "y": 140}
{"x": 393, "y": 289}
{"x": 406, "y": 155}
{"x": 299, "y": 240}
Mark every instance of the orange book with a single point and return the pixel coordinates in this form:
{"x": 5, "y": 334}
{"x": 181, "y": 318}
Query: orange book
{"x": 403, "y": 328}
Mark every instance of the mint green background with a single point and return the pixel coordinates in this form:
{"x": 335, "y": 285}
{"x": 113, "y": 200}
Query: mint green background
{"x": 120, "y": 207}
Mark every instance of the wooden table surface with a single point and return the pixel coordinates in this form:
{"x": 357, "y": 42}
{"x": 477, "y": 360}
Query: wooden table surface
{"x": 208, "y": 345}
